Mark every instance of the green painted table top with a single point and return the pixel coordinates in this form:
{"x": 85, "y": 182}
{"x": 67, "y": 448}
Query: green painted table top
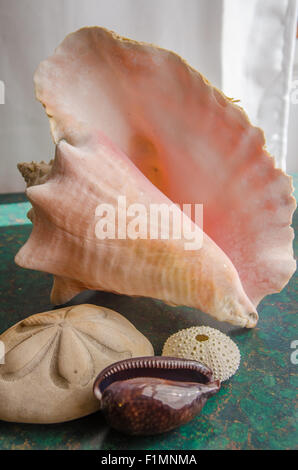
{"x": 253, "y": 410}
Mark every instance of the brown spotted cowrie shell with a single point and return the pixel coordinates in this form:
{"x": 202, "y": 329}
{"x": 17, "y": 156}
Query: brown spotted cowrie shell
{"x": 151, "y": 395}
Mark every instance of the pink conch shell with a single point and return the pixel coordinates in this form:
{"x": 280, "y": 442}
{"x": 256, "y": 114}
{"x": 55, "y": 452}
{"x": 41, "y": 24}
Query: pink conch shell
{"x": 64, "y": 242}
{"x": 116, "y": 105}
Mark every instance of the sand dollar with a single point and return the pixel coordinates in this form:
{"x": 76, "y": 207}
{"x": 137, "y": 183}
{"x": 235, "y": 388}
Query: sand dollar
{"x": 52, "y": 358}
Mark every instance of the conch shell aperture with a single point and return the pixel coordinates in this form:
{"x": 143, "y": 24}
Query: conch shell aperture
{"x": 132, "y": 119}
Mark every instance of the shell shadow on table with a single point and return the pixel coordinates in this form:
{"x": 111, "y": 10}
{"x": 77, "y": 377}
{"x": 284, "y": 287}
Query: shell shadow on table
{"x": 155, "y": 319}
{"x": 88, "y": 433}
{"x": 84, "y": 433}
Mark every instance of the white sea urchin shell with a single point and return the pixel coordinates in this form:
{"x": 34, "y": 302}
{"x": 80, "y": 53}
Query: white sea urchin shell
{"x": 206, "y": 345}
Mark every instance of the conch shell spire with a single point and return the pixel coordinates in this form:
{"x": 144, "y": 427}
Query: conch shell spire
{"x": 35, "y": 173}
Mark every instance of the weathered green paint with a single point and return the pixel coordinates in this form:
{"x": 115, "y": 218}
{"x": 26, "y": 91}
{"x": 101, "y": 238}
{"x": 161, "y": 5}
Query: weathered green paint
{"x": 255, "y": 409}
{"x": 14, "y": 214}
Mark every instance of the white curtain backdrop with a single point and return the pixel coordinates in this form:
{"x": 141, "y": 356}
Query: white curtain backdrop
{"x": 257, "y": 63}
{"x": 244, "y": 47}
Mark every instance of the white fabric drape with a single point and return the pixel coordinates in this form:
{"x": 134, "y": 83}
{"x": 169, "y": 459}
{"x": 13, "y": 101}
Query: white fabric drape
{"x": 257, "y": 62}
{"x": 244, "y": 47}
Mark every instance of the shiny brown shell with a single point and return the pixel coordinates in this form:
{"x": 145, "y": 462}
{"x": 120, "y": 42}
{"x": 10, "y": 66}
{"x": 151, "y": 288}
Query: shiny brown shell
{"x": 151, "y": 395}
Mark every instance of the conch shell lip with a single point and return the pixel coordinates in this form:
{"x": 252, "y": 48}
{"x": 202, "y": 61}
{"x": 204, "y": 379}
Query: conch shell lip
{"x": 170, "y": 368}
